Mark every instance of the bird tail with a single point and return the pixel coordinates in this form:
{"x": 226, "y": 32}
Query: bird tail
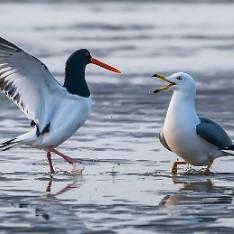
{"x": 8, "y": 144}
{"x": 227, "y": 150}
{"x": 26, "y": 138}
{"x": 230, "y": 148}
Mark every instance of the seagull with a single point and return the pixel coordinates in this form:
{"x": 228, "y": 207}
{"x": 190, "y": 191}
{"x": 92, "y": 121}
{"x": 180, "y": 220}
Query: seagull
{"x": 56, "y": 111}
{"x": 198, "y": 141}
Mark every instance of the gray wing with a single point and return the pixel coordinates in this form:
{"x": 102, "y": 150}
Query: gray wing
{"x": 27, "y": 82}
{"x": 163, "y": 141}
{"x": 213, "y": 133}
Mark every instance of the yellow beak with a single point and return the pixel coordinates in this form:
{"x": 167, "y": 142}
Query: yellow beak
{"x": 163, "y": 78}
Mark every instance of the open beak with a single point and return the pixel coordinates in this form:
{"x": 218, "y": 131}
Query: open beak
{"x": 104, "y": 65}
{"x": 163, "y": 78}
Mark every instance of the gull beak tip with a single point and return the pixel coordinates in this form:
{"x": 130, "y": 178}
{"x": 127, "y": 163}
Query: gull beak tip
{"x": 156, "y": 91}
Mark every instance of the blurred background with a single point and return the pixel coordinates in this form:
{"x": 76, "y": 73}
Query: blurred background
{"x": 126, "y": 186}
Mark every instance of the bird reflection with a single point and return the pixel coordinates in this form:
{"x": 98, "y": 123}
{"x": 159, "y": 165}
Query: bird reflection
{"x": 67, "y": 188}
{"x": 43, "y": 206}
{"x": 198, "y": 192}
{"x": 41, "y": 213}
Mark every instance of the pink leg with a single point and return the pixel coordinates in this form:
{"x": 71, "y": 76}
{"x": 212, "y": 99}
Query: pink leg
{"x": 67, "y": 188}
{"x": 48, "y": 189}
{"x": 65, "y": 157}
{"x": 50, "y": 162}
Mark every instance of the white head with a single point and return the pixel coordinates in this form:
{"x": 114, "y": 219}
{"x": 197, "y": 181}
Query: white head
{"x": 179, "y": 82}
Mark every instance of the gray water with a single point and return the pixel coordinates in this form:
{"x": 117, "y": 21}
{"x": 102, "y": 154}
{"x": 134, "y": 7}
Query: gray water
{"x": 126, "y": 186}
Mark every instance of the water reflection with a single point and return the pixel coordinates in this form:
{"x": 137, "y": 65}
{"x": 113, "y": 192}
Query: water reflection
{"x": 197, "y": 192}
{"x": 65, "y": 189}
{"x": 125, "y": 119}
{"x": 42, "y": 212}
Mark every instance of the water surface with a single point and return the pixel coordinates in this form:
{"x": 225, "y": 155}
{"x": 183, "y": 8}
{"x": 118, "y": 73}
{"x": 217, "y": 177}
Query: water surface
{"x": 126, "y": 186}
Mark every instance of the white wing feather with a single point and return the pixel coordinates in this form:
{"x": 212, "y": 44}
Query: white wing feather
{"x": 28, "y": 83}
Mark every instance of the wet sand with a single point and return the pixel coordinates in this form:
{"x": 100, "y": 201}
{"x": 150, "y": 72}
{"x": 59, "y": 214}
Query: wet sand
{"x": 126, "y": 186}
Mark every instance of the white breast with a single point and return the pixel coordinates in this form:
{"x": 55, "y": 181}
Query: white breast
{"x": 180, "y": 132}
{"x": 70, "y": 114}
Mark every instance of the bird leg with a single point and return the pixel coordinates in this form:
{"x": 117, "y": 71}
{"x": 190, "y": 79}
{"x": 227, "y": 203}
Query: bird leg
{"x": 74, "y": 171}
{"x": 174, "y": 166}
{"x": 210, "y": 162}
{"x": 50, "y": 162}
{"x": 65, "y": 157}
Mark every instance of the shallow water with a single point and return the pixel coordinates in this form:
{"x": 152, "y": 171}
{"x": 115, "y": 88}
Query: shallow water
{"x": 126, "y": 186}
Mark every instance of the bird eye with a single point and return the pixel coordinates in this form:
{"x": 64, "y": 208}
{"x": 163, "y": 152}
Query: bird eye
{"x": 179, "y": 78}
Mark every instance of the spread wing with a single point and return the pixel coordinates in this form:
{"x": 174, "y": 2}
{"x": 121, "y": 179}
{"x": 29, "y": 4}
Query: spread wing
{"x": 27, "y": 82}
{"x": 163, "y": 141}
{"x": 213, "y": 133}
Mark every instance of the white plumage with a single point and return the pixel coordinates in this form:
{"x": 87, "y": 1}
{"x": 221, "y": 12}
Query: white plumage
{"x": 30, "y": 85}
{"x": 197, "y": 140}
{"x": 55, "y": 112}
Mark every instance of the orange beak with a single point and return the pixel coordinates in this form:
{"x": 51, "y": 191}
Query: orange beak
{"x": 104, "y": 65}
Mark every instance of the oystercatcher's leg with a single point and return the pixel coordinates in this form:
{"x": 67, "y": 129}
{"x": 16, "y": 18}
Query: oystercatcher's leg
{"x": 50, "y": 162}
{"x": 65, "y": 157}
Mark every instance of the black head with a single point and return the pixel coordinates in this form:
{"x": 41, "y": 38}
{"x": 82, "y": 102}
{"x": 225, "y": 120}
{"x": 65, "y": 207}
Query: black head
{"x": 79, "y": 58}
{"x": 75, "y": 72}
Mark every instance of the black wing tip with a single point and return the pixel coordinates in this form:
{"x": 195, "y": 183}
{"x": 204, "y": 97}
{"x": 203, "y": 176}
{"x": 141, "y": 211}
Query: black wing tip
{"x": 46, "y": 129}
{"x": 231, "y": 147}
{"x": 7, "y": 144}
{"x": 8, "y": 44}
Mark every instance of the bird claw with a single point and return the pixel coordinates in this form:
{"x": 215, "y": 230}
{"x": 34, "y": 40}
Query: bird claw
{"x": 76, "y": 171}
{"x": 191, "y": 171}
{"x": 202, "y": 171}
